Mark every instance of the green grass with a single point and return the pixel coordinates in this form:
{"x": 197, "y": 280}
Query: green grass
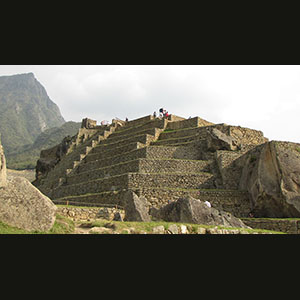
{"x": 62, "y": 225}
{"x": 169, "y": 130}
{"x": 65, "y": 225}
{"x": 6, "y": 229}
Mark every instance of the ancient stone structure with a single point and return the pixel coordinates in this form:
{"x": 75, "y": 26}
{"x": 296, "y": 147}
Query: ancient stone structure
{"x": 191, "y": 210}
{"x": 287, "y": 225}
{"x": 88, "y": 123}
{"x": 160, "y": 159}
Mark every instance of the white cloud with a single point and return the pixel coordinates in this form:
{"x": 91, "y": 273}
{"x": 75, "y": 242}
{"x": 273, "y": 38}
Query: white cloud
{"x": 266, "y": 98}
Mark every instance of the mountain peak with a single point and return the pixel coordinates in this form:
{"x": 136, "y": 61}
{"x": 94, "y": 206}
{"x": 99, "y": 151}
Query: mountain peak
{"x": 25, "y": 110}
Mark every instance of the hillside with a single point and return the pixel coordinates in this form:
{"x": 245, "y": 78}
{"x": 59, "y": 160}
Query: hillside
{"x": 25, "y": 111}
{"x": 26, "y": 156}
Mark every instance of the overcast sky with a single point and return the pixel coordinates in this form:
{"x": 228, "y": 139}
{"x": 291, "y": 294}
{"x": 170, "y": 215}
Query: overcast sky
{"x": 265, "y": 98}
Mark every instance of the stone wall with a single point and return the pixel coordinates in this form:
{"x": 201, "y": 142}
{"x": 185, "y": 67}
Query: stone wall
{"x": 97, "y": 154}
{"x": 143, "y": 138}
{"x": 291, "y": 226}
{"x": 200, "y": 131}
{"x": 141, "y": 166}
{"x": 173, "y": 165}
{"x": 131, "y": 152}
{"x": 188, "y": 123}
{"x": 88, "y": 123}
{"x": 174, "y": 118}
{"x": 104, "y": 198}
{"x": 139, "y": 121}
{"x": 132, "y": 130}
{"x": 185, "y": 181}
{"x": 191, "y": 152}
{"x": 95, "y": 186}
{"x": 89, "y": 213}
{"x": 92, "y": 174}
{"x": 94, "y": 161}
{"x": 118, "y": 137}
{"x": 243, "y": 135}
{"x": 179, "y": 140}
{"x": 230, "y": 164}
{"x": 235, "y": 202}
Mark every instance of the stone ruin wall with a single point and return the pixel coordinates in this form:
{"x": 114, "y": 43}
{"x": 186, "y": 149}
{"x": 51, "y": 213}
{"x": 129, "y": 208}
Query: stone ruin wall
{"x": 188, "y": 123}
{"x": 228, "y": 162}
{"x": 243, "y": 135}
{"x": 283, "y": 225}
{"x": 231, "y": 163}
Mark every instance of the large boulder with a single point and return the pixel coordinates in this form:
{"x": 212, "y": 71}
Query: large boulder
{"x": 136, "y": 208}
{"x": 272, "y": 177}
{"x": 3, "y": 181}
{"x": 191, "y": 210}
{"x": 22, "y": 205}
{"x": 217, "y": 140}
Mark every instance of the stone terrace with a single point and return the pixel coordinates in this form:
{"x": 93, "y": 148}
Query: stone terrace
{"x": 162, "y": 159}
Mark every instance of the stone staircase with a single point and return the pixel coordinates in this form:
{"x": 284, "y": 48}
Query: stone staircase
{"x": 162, "y": 159}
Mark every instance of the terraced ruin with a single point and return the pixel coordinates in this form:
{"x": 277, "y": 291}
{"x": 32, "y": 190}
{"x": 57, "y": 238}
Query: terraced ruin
{"x": 161, "y": 159}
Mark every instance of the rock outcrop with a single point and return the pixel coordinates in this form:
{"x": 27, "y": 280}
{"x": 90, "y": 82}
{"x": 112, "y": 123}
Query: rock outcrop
{"x": 21, "y": 204}
{"x": 136, "y": 208}
{"x": 217, "y": 140}
{"x": 24, "y": 206}
{"x": 191, "y": 210}
{"x": 50, "y": 157}
{"x": 272, "y": 177}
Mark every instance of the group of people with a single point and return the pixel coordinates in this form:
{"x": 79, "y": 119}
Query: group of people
{"x": 162, "y": 113}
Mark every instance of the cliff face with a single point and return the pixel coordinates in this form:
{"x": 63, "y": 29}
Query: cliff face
{"x": 25, "y": 110}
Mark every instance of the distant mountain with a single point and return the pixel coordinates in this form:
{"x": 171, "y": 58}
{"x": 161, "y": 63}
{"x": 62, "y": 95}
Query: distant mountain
{"x": 25, "y": 111}
{"x": 26, "y": 156}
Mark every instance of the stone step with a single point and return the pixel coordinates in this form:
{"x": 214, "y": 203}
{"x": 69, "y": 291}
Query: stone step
{"x": 144, "y": 138}
{"x": 134, "y": 181}
{"x": 122, "y": 131}
{"x": 180, "y": 133}
{"x": 112, "y": 183}
{"x": 106, "y": 154}
{"x": 188, "y": 123}
{"x": 94, "y": 161}
{"x": 182, "y": 142}
{"x": 233, "y": 201}
{"x": 141, "y": 165}
{"x": 175, "y": 141}
{"x": 104, "y": 198}
{"x": 115, "y": 137}
{"x": 139, "y": 121}
{"x": 172, "y": 180}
